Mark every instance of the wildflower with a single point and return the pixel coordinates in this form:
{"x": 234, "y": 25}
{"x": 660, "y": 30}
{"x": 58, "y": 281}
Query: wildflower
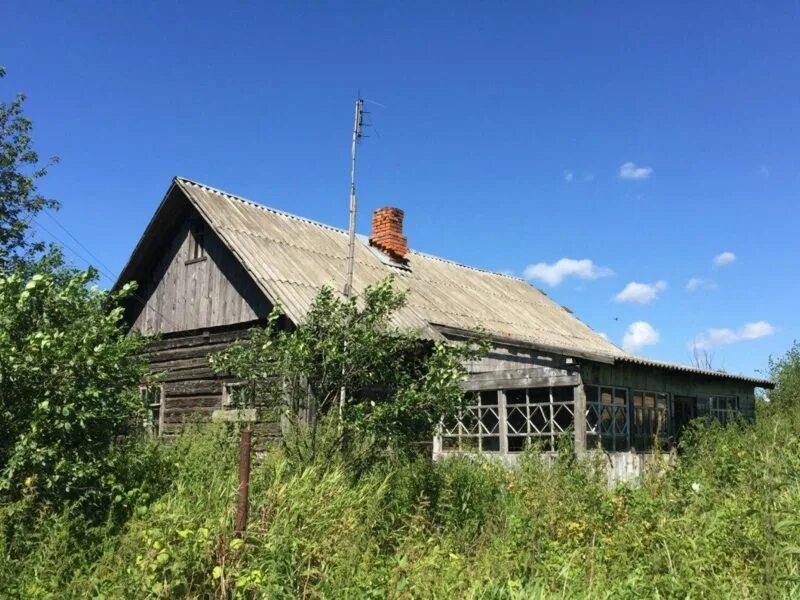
{"x": 695, "y": 487}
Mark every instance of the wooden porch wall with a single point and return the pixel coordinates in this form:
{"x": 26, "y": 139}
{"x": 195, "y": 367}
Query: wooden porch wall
{"x": 639, "y": 377}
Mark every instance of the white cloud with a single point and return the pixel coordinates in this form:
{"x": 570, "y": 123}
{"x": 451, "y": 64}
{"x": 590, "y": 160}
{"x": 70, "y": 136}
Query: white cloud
{"x": 641, "y": 293}
{"x": 630, "y": 171}
{"x": 696, "y": 283}
{"x": 566, "y": 267}
{"x": 719, "y": 337}
{"x": 602, "y": 335}
{"x": 568, "y": 176}
{"x": 639, "y": 335}
{"x": 724, "y": 259}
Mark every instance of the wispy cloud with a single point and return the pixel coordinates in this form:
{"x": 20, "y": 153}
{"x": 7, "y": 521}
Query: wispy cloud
{"x": 638, "y": 335}
{"x": 641, "y": 293}
{"x": 629, "y": 170}
{"x": 719, "y": 337}
{"x": 724, "y": 259}
{"x": 569, "y": 176}
{"x": 764, "y": 170}
{"x": 566, "y": 267}
{"x": 696, "y": 283}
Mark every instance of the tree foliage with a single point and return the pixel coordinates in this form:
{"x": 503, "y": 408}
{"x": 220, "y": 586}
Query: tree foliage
{"x": 68, "y": 385}
{"x": 20, "y": 168}
{"x": 785, "y": 372}
{"x": 396, "y": 385}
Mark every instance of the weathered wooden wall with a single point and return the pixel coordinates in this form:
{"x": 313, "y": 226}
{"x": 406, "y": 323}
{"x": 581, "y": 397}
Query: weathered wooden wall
{"x": 191, "y": 390}
{"x": 180, "y": 294}
{"x": 639, "y": 377}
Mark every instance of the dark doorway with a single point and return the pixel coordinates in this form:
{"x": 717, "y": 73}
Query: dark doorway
{"x": 684, "y": 410}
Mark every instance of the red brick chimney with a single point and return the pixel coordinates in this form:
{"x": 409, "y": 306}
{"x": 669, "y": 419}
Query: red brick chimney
{"x": 387, "y": 233}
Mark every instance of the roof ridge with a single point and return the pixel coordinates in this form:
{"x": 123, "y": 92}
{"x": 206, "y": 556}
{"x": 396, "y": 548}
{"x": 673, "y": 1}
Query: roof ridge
{"x": 470, "y": 267}
{"x": 263, "y": 207}
{"x": 337, "y": 229}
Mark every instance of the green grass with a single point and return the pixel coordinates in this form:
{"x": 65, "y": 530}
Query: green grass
{"x": 723, "y": 522}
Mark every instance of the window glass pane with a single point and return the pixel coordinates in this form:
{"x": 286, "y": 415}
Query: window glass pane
{"x": 563, "y": 394}
{"x": 539, "y": 395}
{"x": 488, "y": 398}
{"x": 620, "y": 396}
{"x": 563, "y": 417}
{"x": 489, "y": 421}
{"x": 592, "y": 393}
{"x": 515, "y": 397}
{"x": 490, "y": 444}
{"x": 517, "y": 419}
{"x": 517, "y": 443}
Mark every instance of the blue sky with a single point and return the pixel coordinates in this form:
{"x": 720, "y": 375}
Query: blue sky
{"x": 645, "y": 138}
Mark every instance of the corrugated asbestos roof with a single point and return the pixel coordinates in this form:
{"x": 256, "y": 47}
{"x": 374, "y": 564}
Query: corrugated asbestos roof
{"x": 291, "y": 258}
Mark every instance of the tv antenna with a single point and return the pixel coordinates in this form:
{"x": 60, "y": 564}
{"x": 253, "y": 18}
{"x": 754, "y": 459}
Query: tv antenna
{"x": 358, "y": 123}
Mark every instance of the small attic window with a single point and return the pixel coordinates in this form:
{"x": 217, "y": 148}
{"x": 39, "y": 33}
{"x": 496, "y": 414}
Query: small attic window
{"x": 197, "y": 242}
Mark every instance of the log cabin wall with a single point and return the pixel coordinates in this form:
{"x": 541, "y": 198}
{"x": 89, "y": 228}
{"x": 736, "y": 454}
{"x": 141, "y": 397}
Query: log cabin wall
{"x": 191, "y": 391}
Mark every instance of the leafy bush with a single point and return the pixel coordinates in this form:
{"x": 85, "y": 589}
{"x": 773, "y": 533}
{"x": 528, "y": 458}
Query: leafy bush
{"x": 68, "y": 388}
{"x": 396, "y": 385}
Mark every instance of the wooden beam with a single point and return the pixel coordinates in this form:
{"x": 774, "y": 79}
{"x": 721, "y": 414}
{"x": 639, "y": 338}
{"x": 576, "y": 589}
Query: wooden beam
{"x": 517, "y": 343}
{"x": 517, "y": 378}
{"x": 580, "y": 419}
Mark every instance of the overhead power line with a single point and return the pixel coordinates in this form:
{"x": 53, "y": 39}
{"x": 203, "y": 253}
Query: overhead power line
{"x": 102, "y": 269}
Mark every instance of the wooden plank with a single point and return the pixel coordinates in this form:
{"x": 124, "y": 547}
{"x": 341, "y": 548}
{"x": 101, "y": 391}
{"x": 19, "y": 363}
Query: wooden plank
{"x": 201, "y": 387}
{"x": 506, "y": 381}
{"x": 580, "y": 419}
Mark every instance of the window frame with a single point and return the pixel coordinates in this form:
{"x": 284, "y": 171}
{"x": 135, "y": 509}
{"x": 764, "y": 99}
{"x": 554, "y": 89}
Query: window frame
{"x": 154, "y": 427}
{"x": 228, "y": 401}
{"x": 724, "y": 415}
{"x": 620, "y": 439}
{"x": 661, "y": 403}
{"x": 476, "y": 435}
{"x": 548, "y": 412}
{"x": 197, "y": 242}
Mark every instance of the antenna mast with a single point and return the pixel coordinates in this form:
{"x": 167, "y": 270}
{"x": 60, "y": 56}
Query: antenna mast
{"x": 351, "y": 248}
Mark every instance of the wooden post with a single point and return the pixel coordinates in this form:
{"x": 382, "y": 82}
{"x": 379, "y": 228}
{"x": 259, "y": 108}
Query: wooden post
{"x": 242, "y": 501}
{"x": 580, "y": 419}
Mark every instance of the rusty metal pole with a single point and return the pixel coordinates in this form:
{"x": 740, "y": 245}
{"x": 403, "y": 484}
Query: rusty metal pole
{"x": 242, "y": 501}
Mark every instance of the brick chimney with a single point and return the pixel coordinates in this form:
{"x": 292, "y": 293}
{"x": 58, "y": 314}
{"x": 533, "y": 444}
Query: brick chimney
{"x": 387, "y": 233}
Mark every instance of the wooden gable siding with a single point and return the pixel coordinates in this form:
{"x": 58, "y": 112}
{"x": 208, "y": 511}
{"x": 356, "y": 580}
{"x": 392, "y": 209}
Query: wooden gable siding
{"x": 180, "y": 294}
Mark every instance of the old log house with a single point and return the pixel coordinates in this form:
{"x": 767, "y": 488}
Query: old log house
{"x": 211, "y": 265}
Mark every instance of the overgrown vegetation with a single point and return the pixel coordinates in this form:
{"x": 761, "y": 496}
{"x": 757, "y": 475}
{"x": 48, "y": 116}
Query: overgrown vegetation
{"x": 349, "y": 379}
{"x": 721, "y": 523}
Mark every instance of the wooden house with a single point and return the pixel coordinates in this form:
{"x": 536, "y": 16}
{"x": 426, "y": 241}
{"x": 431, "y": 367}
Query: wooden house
{"x": 211, "y": 265}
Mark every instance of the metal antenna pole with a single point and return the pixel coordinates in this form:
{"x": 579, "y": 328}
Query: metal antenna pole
{"x": 351, "y": 247}
{"x": 351, "y": 231}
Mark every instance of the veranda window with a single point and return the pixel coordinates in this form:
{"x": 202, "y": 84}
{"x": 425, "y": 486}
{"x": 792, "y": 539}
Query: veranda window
{"x": 723, "y": 408}
{"x": 607, "y": 418}
{"x": 543, "y": 414}
{"x": 650, "y": 419}
{"x": 509, "y": 420}
{"x": 478, "y": 428}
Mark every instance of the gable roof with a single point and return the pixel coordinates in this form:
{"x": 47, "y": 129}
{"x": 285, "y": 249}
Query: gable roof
{"x": 291, "y": 258}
